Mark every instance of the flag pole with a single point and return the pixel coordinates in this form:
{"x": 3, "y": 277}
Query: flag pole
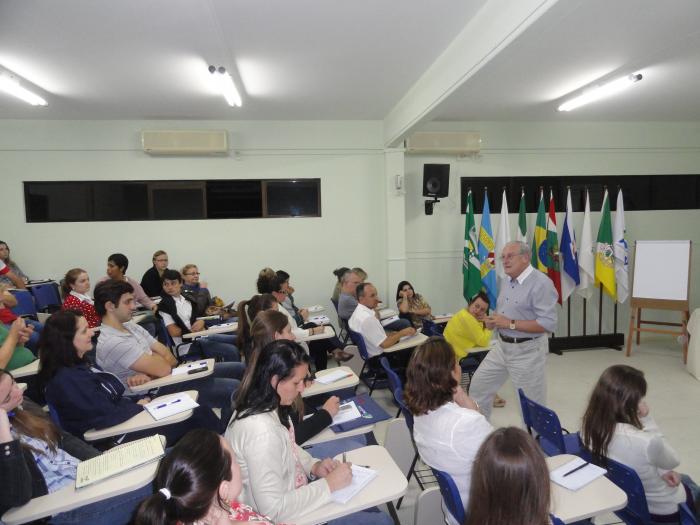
{"x": 585, "y": 301}
{"x": 600, "y": 310}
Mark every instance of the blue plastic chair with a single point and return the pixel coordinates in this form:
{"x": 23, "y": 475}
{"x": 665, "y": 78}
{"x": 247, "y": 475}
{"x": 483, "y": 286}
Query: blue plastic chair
{"x": 552, "y": 437}
{"x": 450, "y": 495}
{"x": 25, "y": 304}
{"x": 432, "y": 329}
{"x": 555, "y": 520}
{"x": 636, "y": 512}
{"x": 46, "y": 297}
{"x": 394, "y": 379}
{"x": 376, "y": 380}
{"x": 686, "y": 515}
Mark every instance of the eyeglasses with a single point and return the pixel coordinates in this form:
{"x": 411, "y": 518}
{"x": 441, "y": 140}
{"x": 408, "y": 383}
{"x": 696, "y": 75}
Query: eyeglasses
{"x": 161, "y": 260}
{"x": 192, "y": 273}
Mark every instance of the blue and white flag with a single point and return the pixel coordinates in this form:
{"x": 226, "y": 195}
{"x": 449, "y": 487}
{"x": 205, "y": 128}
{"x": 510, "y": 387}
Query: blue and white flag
{"x": 621, "y": 251}
{"x": 487, "y": 255}
{"x": 570, "y": 277}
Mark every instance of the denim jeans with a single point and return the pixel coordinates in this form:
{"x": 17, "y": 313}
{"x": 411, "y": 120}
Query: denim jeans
{"x": 33, "y": 342}
{"x": 111, "y": 511}
{"x": 218, "y": 346}
{"x": 398, "y": 325}
{"x": 371, "y": 516}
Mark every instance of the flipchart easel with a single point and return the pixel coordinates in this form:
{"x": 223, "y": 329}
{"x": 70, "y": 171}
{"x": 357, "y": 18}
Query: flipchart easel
{"x": 661, "y": 281}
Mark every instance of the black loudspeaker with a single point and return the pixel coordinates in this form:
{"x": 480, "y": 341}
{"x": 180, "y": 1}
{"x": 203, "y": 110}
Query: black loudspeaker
{"x": 436, "y": 180}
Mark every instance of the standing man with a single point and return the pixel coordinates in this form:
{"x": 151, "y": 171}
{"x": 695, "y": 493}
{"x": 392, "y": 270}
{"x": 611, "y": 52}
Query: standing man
{"x": 525, "y": 315}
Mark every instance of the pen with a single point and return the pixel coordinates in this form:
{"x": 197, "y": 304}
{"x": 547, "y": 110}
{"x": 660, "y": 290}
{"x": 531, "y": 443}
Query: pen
{"x": 344, "y": 458}
{"x": 171, "y": 403}
{"x": 342, "y": 377}
{"x": 575, "y": 469}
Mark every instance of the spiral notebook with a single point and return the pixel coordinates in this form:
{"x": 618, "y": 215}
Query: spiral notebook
{"x": 361, "y": 477}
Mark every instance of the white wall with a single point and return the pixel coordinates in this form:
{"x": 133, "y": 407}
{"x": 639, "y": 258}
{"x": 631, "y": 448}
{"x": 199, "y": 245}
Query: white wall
{"x": 434, "y": 243}
{"x": 348, "y": 157}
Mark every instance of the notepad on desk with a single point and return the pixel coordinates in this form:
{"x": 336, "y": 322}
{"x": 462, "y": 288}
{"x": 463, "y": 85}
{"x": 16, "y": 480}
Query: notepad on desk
{"x": 347, "y": 411}
{"x": 332, "y": 377}
{"x": 189, "y": 367}
{"x": 576, "y": 474}
{"x": 161, "y": 408}
{"x": 361, "y": 477}
{"x": 119, "y": 460}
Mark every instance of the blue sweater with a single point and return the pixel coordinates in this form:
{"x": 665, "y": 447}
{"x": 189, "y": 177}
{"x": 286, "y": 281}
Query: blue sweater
{"x": 84, "y": 397}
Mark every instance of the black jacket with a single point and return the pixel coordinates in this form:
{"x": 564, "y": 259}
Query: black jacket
{"x": 150, "y": 282}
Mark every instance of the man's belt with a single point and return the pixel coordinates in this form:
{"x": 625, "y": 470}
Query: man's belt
{"x": 515, "y": 340}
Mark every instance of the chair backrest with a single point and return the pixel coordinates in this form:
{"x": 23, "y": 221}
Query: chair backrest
{"x": 398, "y": 395}
{"x": 399, "y": 445}
{"x": 555, "y": 520}
{"x": 25, "y": 303}
{"x": 46, "y": 296}
{"x": 543, "y": 420}
{"x": 359, "y": 342}
{"x": 636, "y": 512}
{"x": 431, "y": 328}
{"x": 428, "y": 506}
{"x": 686, "y": 515}
{"x": 450, "y": 494}
{"x": 394, "y": 379}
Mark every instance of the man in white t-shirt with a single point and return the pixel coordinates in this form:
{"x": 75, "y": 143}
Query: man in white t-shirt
{"x": 364, "y": 322}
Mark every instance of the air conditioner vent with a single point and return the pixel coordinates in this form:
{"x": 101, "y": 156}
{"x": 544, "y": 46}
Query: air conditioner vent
{"x": 444, "y": 142}
{"x": 185, "y": 142}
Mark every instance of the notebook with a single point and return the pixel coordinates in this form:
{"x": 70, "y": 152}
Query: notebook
{"x": 346, "y": 412}
{"x": 361, "y": 476}
{"x": 332, "y": 377}
{"x": 119, "y": 460}
{"x": 583, "y": 473}
{"x": 160, "y": 408}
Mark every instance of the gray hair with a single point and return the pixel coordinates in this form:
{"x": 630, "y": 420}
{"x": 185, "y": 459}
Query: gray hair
{"x": 523, "y": 248}
{"x": 346, "y": 276}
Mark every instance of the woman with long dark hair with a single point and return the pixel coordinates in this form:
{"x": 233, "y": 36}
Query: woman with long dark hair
{"x": 510, "y": 481}
{"x": 247, "y": 311}
{"x": 39, "y": 459}
{"x": 197, "y": 482}
{"x": 275, "y": 471}
{"x": 412, "y": 305}
{"x": 617, "y": 425}
{"x": 83, "y": 396}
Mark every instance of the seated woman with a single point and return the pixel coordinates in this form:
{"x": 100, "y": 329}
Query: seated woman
{"x": 179, "y": 315}
{"x": 448, "y": 428}
{"x": 338, "y": 272}
{"x": 85, "y": 397}
{"x": 466, "y": 330}
{"x": 510, "y": 481}
{"x": 12, "y": 352}
{"x": 411, "y": 305}
{"x": 38, "y": 459}
{"x": 617, "y": 425}
{"x": 151, "y": 280}
{"x": 247, "y": 311}
{"x": 76, "y": 285}
{"x": 274, "y": 469}
{"x": 199, "y": 481}
{"x": 18, "y": 279}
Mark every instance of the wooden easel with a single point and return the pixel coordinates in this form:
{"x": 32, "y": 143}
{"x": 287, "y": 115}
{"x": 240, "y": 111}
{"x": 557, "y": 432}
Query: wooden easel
{"x": 639, "y": 303}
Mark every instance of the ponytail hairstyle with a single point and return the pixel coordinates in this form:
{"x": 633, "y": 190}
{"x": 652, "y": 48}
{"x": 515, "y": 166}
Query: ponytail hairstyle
{"x": 187, "y": 482}
{"x": 247, "y": 310}
{"x": 70, "y": 278}
{"x": 265, "y": 325}
{"x": 264, "y": 279}
{"x": 31, "y": 425}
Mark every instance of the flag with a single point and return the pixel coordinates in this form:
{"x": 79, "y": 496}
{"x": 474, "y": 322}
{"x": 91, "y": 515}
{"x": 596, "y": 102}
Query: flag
{"x": 620, "y": 251}
{"x": 586, "y": 259}
{"x": 570, "y": 276}
{"x": 539, "y": 238}
{"x": 553, "y": 247}
{"x": 486, "y": 254}
{"x": 522, "y": 218}
{"x": 471, "y": 271}
{"x": 503, "y": 236}
{"x": 604, "y": 259}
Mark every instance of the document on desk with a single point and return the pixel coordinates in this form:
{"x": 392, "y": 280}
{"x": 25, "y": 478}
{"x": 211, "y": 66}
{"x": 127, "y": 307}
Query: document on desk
{"x": 389, "y": 320}
{"x": 160, "y": 408}
{"x": 346, "y": 412}
{"x": 361, "y": 476}
{"x": 320, "y": 320}
{"x": 576, "y": 474}
{"x": 332, "y": 377}
{"x": 186, "y": 369}
{"x": 119, "y": 460}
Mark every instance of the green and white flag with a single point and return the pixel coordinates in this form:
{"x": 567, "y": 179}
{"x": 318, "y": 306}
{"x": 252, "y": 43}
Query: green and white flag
{"x": 471, "y": 268}
{"x": 522, "y": 219}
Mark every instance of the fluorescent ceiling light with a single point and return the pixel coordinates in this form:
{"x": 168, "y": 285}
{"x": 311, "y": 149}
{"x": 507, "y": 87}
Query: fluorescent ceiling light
{"x": 226, "y": 86}
{"x": 599, "y": 92}
{"x": 11, "y": 86}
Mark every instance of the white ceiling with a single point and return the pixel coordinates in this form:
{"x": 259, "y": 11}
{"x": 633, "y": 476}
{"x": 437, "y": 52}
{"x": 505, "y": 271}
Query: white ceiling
{"x": 334, "y": 59}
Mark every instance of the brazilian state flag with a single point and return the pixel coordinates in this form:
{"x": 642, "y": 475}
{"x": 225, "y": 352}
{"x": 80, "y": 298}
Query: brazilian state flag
{"x": 605, "y": 256}
{"x": 539, "y": 239}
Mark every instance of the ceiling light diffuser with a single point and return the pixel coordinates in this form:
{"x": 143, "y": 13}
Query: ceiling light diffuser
{"x": 11, "y": 86}
{"x": 226, "y": 86}
{"x": 598, "y": 92}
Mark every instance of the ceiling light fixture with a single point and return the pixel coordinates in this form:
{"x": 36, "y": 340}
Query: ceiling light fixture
{"x": 10, "y": 85}
{"x": 225, "y": 84}
{"x": 599, "y": 92}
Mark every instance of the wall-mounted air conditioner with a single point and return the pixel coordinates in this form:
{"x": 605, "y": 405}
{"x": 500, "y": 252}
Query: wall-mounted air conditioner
{"x": 185, "y": 142}
{"x": 444, "y": 142}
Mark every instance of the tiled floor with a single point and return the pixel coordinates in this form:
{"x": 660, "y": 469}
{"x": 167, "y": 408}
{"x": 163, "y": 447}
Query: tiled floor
{"x": 673, "y": 396}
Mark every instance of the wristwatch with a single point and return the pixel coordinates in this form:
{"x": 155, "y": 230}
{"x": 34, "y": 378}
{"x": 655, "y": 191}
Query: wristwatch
{"x": 512, "y": 324}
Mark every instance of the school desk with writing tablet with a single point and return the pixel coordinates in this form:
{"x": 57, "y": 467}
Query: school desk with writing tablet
{"x": 390, "y": 484}
{"x": 327, "y": 333}
{"x": 179, "y": 378}
{"x": 26, "y": 370}
{"x": 598, "y": 497}
{"x": 347, "y": 379}
{"x": 328, "y": 435}
{"x": 69, "y": 497}
{"x": 225, "y": 328}
{"x": 142, "y": 421}
{"x": 409, "y": 342}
